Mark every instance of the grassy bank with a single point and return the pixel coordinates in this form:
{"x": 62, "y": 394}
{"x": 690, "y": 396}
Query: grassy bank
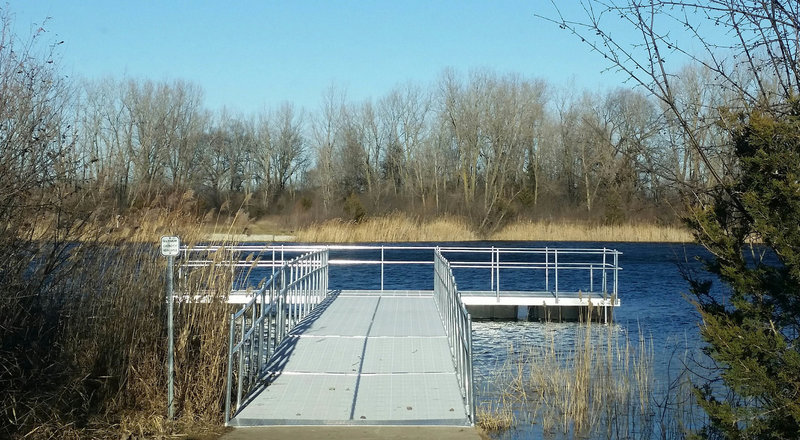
{"x": 402, "y": 228}
{"x": 396, "y": 228}
{"x": 576, "y": 231}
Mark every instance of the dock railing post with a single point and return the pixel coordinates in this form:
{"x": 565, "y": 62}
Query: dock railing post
{"x": 253, "y": 364}
{"x": 229, "y": 384}
{"x": 605, "y": 289}
{"x": 241, "y": 364}
{"x": 616, "y": 272}
{"x": 497, "y": 278}
{"x": 281, "y": 311}
{"x": 491, "y": 269}
{"x": 382, "y": 247}
{"x": 546, "y": 269}
{"x": 470, "y": 382}
{"x": 555, "y": 261}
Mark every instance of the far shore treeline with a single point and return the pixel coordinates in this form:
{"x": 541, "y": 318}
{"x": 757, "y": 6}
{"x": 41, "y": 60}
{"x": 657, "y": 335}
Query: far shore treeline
{"x": 488, "y": 147}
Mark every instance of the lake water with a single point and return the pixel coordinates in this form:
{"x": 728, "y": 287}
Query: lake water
{"x": 651, "y": 291}
{"x": 653, "y": 305}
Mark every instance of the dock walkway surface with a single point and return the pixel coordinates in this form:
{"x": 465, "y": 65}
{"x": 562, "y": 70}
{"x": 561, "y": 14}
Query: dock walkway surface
{"x": 366, "y": 358}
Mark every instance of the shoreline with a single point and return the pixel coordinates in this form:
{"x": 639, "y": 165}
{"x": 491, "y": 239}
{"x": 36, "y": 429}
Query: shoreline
{"x": 282, "y": 238}
{"x": 401, "y": 229}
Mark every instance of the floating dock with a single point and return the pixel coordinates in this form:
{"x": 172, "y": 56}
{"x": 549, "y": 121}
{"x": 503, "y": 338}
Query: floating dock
{"x": 372, "y": 358}
{"x": 303, "y": 353}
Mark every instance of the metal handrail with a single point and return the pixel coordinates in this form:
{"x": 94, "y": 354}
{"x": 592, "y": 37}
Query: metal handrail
{"x": 601, "y": 261}
{"x": 284, "y": 300}
{"x": 458, "y": 326}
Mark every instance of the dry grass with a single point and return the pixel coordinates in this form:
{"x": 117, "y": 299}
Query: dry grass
{"x": 599, "y": 386}
{"x": 395, "y": 228}
{"x": 402, "y": 228}
{"x": 568, "y": 231}
{"x": 495, "y": 416}
{"x": 84, "y": 333}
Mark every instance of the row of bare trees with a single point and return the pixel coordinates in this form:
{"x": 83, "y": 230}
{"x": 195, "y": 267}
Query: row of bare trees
{"x": 483, "y": 145}
{"x": 492, "y": 145}
{"x": 139, "y": 139}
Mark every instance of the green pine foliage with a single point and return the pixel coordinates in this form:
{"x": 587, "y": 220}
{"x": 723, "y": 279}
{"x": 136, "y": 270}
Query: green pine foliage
{"x": 752, "y": 333}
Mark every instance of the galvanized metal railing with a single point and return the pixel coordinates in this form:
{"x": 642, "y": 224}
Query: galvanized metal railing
{"x": 458, "y": 325}
{"x": 256, "y": 331}
{"x": 598, "y": 267}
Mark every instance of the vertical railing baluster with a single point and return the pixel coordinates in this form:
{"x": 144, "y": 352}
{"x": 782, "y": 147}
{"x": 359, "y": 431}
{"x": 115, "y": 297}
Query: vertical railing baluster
{"x": 616, "y": 272}
{"x": 497, "y": 279}
{"x": 605, "y": 289}
{"x": 262, "y": 310}
{"x": 546, "y": 269}
{"x": 555, "y": 261}
{"x": 229, "y": 384}
{"x": 491, "y": 269}
{"x": 241, "y": 366}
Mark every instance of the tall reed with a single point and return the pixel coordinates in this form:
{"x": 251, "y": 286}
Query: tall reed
{"x": 403, "y": 228}
{"x": 576, "y": 231}
{"x": 393, "y": 228}
{"x": 83, "y": 351}
{"x": 597, "y": 386}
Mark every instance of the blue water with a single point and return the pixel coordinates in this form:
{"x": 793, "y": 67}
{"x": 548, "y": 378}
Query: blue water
{"x": 654, "y": 305}
{"x": 651, "y": 286}
{"x": 652, "y": 292}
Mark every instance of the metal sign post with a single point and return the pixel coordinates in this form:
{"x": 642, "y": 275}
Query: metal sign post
{"x": 170, "y": 248}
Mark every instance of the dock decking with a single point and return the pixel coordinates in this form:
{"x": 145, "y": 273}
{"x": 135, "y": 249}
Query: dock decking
{"x": 372, "y": 358}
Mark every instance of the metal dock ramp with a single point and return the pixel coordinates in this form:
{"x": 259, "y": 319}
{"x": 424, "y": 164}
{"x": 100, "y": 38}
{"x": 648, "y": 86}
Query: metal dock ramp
{"x": 301, "y": 353}
{"x": 368, "y": 358}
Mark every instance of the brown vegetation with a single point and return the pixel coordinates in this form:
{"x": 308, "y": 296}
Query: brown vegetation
{"x": 401, "y": 228}
{"x": 395, "y": 228}
{"x": 600, "y": 385}
{"x": 84, "y": 342}
{"x": 575, "y": 231}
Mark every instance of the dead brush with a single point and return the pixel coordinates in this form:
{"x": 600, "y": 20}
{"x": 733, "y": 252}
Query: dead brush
{"x": 84, "y": 353}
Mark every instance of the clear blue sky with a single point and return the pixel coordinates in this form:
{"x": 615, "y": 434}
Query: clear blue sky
{"x": 248, "y": 55}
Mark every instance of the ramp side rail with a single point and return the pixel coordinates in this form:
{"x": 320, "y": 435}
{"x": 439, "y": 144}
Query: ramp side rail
{"x": 259, "y": 327}
{"x": 458, "y": 326}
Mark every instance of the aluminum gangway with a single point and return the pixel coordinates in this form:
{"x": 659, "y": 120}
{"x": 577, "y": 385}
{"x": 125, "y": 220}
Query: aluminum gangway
{"x": 305, "y": 351}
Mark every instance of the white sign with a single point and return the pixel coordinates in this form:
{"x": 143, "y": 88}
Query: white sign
{"x": 170, "y": 246}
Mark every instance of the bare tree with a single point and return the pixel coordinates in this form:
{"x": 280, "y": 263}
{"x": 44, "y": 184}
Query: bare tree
{"x": 324, "y": 140}
{"x": 461, "y": 105}
{"x": 763, "y": 42}
{"x": 288, "y": 155}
